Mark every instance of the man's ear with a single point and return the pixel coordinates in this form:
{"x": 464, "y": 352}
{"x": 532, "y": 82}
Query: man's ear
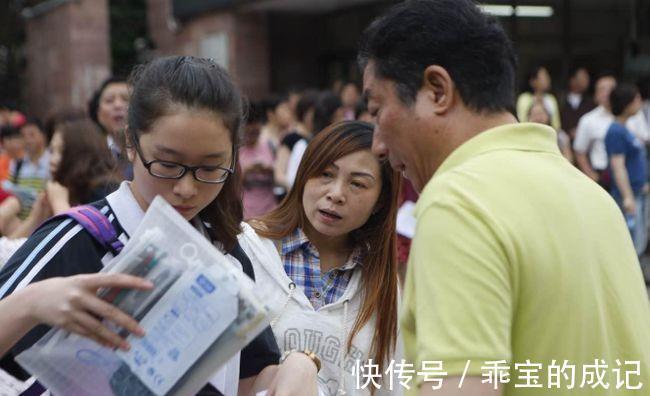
{"x": 439, "y": 88}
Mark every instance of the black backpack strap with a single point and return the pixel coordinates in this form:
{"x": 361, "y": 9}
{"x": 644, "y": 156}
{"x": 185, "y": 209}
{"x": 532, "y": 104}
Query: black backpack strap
{"x": 238, "y": 253}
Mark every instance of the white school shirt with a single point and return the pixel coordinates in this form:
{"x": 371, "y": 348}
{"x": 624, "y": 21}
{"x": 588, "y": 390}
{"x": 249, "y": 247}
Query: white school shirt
{"x": 591, "y": 131}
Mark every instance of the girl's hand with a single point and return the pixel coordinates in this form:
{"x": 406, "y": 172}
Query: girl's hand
{"x": 71, "y": 303}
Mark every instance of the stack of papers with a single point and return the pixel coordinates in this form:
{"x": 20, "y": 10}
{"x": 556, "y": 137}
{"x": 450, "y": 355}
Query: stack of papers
{"x": 202, "y": 310}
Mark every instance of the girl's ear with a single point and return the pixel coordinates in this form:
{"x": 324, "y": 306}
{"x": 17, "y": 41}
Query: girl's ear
{"x": 130, "y": 153}
{"x": 128, "y": 145}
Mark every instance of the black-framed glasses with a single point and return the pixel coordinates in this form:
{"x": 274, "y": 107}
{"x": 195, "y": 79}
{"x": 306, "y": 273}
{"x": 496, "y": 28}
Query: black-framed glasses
{"x": 174, "y": 170}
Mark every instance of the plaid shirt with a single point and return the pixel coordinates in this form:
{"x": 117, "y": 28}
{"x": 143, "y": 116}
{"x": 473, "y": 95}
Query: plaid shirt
{"x": 302, "y": 265}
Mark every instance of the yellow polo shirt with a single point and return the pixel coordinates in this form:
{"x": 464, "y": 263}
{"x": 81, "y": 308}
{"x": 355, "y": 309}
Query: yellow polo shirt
{"x": 519, "y": 257}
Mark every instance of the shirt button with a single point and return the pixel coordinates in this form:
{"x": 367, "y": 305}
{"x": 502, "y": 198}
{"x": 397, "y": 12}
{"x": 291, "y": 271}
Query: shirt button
{"x": 332, "y": 275}
{"x": 317, "y": 294}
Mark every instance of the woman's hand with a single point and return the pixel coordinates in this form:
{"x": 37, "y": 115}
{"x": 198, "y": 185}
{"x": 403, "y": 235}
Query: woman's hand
{"x": 296, "y": 376}
{"x": 71, "y": 303}
{"x": 59, "y": 197}
{"x": 41, "y": 210}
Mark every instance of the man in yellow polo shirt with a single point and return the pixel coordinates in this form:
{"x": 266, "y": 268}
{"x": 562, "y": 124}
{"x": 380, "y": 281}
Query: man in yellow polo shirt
{"x": 522, "y": 279}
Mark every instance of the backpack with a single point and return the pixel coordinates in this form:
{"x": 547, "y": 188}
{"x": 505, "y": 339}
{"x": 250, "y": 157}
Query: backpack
{"x": 97, "y": 225}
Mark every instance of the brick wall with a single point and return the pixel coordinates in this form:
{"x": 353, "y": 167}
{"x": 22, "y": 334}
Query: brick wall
{"x": 238, "y": 41}
{"x": 68, "y": 56}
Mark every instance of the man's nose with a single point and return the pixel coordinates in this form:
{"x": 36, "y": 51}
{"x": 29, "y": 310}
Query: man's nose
{"x": 379, "y": 148}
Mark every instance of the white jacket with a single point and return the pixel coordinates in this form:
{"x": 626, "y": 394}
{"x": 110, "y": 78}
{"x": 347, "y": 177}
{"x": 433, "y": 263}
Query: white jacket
{"x": 297, "y": 325}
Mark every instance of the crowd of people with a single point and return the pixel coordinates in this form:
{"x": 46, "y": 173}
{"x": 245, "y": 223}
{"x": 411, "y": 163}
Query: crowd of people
{"x": 304, "y": 190}
{"x": 605, "y": 134}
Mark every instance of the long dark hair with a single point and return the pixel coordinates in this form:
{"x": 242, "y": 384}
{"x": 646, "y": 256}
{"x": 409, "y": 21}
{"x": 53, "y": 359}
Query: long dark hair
{"x": 86, "y": 162}
{"x": 377, "y": 237}
{"x": 195, "y": 83}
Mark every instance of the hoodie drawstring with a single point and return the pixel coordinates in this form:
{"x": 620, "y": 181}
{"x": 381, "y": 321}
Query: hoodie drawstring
{"x": 292, "y": 287}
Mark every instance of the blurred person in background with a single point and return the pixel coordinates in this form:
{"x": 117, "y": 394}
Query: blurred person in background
{"x": 540, "y": 115}
{"x": 361, "y": 112}
{"x": 81, "y": 166}
{"x": 328, "y": 110}
{"x": 256, "y": 162}
{"x": 28, "y": 176}
{"x": 349, "y": 98}
{"x": 575, "y": 102}
{"x": 644, "y": 90}
{"x": 296, "y": 139}
{"x": 13, "y": 147}
{"x": 537, "y": 87}
{"x": 589, "y": 143}
{"x": 278, "y": 120}
{"x": 628, "y": 163}
{"x": 293, "y": 96}
{"x": 108, "y": 109}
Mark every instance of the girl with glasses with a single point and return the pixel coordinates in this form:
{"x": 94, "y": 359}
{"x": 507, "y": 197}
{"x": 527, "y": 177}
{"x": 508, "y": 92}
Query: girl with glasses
{"x": 182, "y": 132}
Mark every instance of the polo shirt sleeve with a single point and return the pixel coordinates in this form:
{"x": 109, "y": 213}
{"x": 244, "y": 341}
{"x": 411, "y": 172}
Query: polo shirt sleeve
{"x": 615, "y": 142}
{"x": 458, "y": 293}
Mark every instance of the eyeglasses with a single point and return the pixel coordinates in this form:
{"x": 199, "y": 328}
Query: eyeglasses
{"x": 174, "y": 170}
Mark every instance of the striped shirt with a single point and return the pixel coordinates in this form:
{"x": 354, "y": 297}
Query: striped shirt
{"x": 302, "y": 264}
{"x": 28, "y": 181}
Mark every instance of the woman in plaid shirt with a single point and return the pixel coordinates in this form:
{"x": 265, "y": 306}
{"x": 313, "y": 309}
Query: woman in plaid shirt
{"x": 334, "y": 286}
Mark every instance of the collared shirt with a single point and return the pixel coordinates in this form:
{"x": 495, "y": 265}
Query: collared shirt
{"x": 518, "y": 255}
{"x": 591, "y": 131}
{"x": 302, "y": 264}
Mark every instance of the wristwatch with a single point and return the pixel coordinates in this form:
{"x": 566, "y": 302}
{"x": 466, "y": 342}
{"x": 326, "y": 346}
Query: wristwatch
{"x": 310, "y": 354}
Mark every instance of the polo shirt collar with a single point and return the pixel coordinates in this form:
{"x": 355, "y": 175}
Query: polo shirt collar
{"x": 519, "y": 137}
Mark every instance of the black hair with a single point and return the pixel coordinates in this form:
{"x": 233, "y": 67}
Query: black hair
{"x": 196, "y": 83}
{"x": 574, "y": 69}
{"x": 360, "y": 108}
{"x": 36, "y": 122}
{"x": 454, "y": 34}
{"x": 326, "y": 105}
{"x": 606, "y": 73}
{"x": 644, "y": 87}
{"x": 621, "y": 97}
{"x": 8, "y": 132}
{"x": 93, "y": 103}
{"x": 306, "y": 102}
{"x": 254, "y": 113}
{"x": 531, "y": 75}
{"x": 271, "y": 103}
